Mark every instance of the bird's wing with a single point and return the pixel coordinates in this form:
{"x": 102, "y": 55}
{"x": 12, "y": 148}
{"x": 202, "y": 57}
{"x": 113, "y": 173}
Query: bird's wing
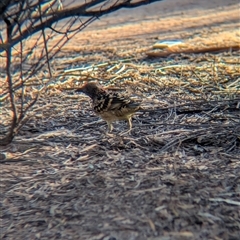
{"x": 113, "y": 102}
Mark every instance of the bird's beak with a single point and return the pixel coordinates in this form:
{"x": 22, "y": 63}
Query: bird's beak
{"x": 80, "y": 90}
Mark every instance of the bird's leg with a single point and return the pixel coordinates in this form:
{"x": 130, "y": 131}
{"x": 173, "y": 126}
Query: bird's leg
{"x": 130, "y": 123}
{"x": 110, "y": 127}
{"x": 129, "y": 120}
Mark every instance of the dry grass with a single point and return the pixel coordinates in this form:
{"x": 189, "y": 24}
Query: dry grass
{"x": 175, "y": 177}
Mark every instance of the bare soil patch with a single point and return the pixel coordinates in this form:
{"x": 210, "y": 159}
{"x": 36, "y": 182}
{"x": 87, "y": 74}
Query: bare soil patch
{"x": 176, "y": 176}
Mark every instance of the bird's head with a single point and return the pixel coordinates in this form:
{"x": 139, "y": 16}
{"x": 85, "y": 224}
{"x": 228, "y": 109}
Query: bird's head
{"x": 91, "y": 89}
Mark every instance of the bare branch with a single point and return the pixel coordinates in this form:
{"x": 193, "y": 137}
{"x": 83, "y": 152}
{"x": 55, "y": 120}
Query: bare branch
{"x": 10, "y": 134}
{"x": 77, "y": 11}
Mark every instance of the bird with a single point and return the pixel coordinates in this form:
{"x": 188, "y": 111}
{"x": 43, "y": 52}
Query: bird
{"x": 110, "y": 106}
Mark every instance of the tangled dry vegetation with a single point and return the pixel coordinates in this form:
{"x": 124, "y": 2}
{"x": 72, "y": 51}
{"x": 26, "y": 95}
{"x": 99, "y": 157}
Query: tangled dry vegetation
{"x": 175, "y": 176}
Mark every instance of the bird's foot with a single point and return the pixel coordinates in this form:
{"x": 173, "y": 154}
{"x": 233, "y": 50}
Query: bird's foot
{"x": 124, "y": 133}
{"x": 110, "y": 134}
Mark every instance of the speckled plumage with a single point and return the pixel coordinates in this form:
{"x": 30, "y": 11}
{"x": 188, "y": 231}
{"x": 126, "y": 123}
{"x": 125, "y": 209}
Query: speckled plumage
{"x": 110, "y": 106}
